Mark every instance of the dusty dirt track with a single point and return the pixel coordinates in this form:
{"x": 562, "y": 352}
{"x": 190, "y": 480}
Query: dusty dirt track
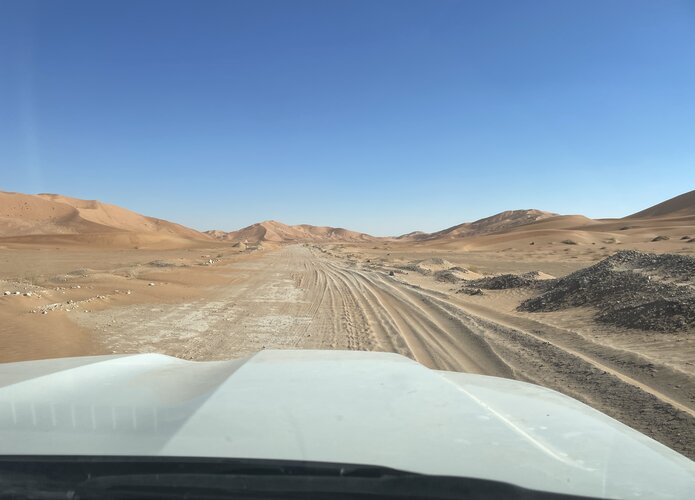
{"x": 331, "y": 297}
{"x": 297, "y": 297}
{"x": 302, "y": 297}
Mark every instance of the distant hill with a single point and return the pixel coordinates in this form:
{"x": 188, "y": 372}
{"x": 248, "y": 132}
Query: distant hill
{"x": 52, "y": 218}
{"x": 679, "y": 206}
{"x": 87, "y": 221}
{"x": 500, "y": 222}
{"x": 273, "y": 231}
{"x": 414, "y": 236}
{"x": 668, "y": 226}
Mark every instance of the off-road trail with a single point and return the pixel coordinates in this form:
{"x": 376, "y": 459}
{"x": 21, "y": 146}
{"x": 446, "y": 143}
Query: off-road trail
{"x": 298, "y": 297}
{"x": 302, "y": 297}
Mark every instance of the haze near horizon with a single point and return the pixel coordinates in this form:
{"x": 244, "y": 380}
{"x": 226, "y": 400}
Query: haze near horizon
{"x": 382, "y": 117}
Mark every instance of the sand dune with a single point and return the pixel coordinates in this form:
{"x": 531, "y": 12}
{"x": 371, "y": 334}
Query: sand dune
{"x": 682, "y": 205}
{"x": 51, "y": 218}
{"x": 22, "y": 214}
{"x": 670, "y": 219}
{"x": 514, "y": 229}
{"x": 121, "y": 218}
{"x": 664, "y": 227}
{"x": 273, "y": 231}
{"x": 27, "y": 218}
{"x": 277, "y": 232}
{"x": 570, "y": 222}
{"x": 496, "y": 223}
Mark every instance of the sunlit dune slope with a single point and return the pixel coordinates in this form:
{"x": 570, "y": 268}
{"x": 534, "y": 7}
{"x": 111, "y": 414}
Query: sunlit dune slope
{"x": 679, "y": 206}
{"x": 51, "y": 218}
{"x": 496, "y": 223}
{"x": 277, "y": 232}
{"x": 667, "y": 226}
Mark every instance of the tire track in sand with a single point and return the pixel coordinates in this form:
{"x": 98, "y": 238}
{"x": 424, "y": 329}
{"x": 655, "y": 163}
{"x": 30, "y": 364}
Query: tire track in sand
{"x": 398, "y": 319}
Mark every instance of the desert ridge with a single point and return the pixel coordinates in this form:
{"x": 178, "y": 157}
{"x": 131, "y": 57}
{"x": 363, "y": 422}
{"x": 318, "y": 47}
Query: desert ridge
{"x": 277, "y": 232}
{"x": 55, "y": 219}
{"x": 678, "y": 206}
{"x": 500, "y": 222}
{"x": 668, "y": 226}
{"x": 665, "y": 227}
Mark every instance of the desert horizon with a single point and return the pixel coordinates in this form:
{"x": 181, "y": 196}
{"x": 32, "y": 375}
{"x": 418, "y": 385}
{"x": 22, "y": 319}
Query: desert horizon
{"x": 357, "y": 249}
{"x": 602, "y": 310}
{"x": 109, "y": 217}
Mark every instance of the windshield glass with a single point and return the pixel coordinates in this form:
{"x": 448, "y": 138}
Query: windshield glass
{"x": 449, "y": 238}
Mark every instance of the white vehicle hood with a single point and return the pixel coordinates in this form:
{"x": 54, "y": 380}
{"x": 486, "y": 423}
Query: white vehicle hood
{"x": 332, "y": 406}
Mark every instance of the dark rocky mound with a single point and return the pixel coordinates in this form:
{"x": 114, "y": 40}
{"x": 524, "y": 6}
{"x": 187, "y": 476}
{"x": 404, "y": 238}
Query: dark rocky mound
{"x": 453, "y": 275}
{"x": 161, "y": 263}
{"x": 506, "y": 281}
{"x": 447, "y": 276}
{"x": 631, "y": 289}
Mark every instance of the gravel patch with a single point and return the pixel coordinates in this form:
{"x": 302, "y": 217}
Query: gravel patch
{"x": 631, "y": 289}
{"x": 507, "y": 281}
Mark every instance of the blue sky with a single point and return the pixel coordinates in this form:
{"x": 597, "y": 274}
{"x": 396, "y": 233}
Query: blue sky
{"x": 380, "y": 116}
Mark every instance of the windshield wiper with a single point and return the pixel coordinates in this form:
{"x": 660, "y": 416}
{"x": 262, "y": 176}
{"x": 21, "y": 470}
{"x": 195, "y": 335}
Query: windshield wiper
{"x": 210, "y": 478}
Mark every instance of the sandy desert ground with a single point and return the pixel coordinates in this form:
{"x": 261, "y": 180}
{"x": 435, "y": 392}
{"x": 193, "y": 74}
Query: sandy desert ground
{"x": 75, "y": 293}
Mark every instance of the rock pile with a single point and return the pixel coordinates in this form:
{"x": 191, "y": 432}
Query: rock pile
{"x": 631, "y": 289}
{"x": 506, "y": 281}
{"x": 427, "y": 266}
{"x": 161, "y": 263}
{"x": 454, "y": 275}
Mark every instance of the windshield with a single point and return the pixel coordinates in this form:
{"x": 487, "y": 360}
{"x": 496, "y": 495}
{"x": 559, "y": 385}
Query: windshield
{"x": 442, "y": 238}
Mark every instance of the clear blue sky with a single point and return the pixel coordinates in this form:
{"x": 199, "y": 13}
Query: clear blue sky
{"x": 381, "y": 116}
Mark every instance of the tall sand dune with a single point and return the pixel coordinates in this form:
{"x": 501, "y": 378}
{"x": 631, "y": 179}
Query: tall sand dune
{"x": 682, "y": 205}
{"x": 277, "y": 232}
{"x": 56, "y": 218}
